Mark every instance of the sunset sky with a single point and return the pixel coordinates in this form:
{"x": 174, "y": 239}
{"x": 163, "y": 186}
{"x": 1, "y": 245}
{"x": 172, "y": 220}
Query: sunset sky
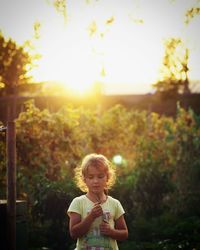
{"x": 118, "y": 43}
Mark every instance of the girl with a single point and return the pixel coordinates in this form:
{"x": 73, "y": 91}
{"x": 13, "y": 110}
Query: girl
{"x": 96, "y": 219}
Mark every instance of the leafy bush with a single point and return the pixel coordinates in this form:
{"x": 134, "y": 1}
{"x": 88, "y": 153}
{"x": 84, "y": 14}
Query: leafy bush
{"x": 158, "y": 177}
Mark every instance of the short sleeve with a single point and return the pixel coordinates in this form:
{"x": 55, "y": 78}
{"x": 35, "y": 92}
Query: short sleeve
{"x": 119, "y": 210}
{"x": 75, "y": 206}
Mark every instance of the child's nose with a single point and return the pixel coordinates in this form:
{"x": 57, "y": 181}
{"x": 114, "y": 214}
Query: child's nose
{"x": 96, "y": 179}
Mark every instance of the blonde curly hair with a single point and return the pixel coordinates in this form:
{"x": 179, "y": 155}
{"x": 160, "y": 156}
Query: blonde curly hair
{"x": 98, "y": 161}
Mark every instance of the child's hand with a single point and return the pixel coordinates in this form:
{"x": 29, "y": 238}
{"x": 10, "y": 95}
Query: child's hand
{"x": 105, "y": 228}
{"x": 96, "y": 210}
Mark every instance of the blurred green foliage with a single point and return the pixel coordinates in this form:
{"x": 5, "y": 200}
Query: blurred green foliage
{"x": 158, "y": 178}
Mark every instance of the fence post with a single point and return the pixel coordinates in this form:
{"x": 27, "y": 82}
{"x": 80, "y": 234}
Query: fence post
{"x": 11, "y": 176}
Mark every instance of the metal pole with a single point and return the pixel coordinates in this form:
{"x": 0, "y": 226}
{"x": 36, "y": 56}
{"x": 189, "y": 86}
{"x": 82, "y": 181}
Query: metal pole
{"x": 11, "y": 178}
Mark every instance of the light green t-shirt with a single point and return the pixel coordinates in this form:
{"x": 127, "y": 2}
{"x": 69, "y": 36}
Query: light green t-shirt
{"x": 94, "y": 240}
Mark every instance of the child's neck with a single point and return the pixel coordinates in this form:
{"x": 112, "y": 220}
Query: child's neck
{"x": 97, "y": 197}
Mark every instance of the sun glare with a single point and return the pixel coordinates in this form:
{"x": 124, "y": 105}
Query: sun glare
{"x": 116, "y": 43}
{"x": 105, "y": 47}
{"x": 74, "y": 66}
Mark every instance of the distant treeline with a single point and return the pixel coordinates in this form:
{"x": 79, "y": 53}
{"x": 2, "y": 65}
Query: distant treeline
{"x": 151, "y": 102}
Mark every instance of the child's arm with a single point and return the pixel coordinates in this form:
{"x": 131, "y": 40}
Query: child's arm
{"x": 79, "y": 227}
{"x": 119, "y": 232}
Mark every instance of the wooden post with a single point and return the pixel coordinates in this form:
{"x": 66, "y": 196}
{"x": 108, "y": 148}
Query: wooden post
{"x": 11, "y": 177}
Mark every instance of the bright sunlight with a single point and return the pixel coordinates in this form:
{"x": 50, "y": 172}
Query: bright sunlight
{"x": 118, "y": 44}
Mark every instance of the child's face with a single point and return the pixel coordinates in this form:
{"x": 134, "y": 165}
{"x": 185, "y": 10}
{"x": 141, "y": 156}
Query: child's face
{"x": 96, "y": 179}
